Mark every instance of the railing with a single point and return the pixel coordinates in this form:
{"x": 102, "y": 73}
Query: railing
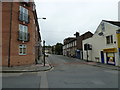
{"x": 24, "y": 17}
{"x": 22, "y": 36}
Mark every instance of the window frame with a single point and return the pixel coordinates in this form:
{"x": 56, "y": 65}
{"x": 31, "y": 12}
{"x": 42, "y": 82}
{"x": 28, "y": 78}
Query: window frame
{"x": 109, "y": 39}
{"x": 22, "y": 47}
{"x": 24, "y": 32}
{"x": 24, "y": 13}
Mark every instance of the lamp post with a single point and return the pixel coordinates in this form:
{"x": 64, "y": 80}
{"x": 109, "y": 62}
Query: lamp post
{"x": 87, "y": 52}
{"x": 42, "y": 18}
{"x": 43, "y": 46}
{"x": 44, "y": 52}
{"x": 86, "y": 48}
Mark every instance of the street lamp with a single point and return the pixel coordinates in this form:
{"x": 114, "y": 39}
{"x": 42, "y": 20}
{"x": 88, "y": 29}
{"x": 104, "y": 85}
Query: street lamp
{"x": 44, "y": 51}
{"x": 43, "y": 45}
{"x": 42, "y": 18}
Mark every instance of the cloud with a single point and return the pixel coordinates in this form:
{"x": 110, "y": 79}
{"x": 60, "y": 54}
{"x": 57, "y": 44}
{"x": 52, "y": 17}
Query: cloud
{"x": 65, "y": 18}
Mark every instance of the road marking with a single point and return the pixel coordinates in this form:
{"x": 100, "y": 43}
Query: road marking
{"x": 44, "y": 81}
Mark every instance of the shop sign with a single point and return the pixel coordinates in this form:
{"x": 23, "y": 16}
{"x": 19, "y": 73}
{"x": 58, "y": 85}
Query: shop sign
{"x": 110, "y": 50}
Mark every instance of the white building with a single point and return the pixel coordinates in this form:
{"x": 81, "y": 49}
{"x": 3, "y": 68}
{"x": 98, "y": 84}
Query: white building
{"x": 105, "y": 44}
{"x": 119, "y": 10}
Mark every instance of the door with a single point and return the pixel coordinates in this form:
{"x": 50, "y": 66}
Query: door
{"x": 102, "y": 56}
{"x": 110, "y": 58}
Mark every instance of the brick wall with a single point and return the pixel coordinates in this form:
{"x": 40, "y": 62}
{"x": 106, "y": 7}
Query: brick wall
{"x": 83, "y": 37}
{"x": 15, "y": 58}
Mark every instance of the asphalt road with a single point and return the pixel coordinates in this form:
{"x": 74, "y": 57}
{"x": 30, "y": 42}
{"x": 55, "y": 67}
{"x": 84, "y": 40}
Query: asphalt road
{"x": 67, "y": 73}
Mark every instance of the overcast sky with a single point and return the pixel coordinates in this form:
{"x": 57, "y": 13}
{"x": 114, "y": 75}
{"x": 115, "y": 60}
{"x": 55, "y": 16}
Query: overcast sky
{"x": 65, "y": 17}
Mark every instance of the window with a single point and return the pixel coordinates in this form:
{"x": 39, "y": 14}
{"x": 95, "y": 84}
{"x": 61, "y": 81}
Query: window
{"x": 26, "y": 0}
{"x": 23, "y": 14}
{"x": 22, "y": 49}
{"x": 23, "y": 32}
{"x": 109, "y": 39}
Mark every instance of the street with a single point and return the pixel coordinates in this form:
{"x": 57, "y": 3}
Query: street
{"x": 66, "y": 73}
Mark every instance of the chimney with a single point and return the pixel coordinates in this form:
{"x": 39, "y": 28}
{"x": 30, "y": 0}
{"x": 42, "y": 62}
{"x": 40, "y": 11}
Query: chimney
{"x": 76, "y": 34}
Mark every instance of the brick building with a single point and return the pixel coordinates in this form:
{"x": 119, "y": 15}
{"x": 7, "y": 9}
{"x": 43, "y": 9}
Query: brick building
{"x": 73, "y": 45}
{"x": 69, "y": 46}
{"x": 21, "y": 40}
{"x": 79, "y": 52}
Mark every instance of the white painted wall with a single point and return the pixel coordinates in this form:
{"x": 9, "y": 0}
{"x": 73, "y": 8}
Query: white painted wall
{"x": 99, "y": 42}
{"x": 119, "y": 11}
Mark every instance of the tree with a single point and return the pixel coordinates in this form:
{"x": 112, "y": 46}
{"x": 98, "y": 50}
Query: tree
{"x": 59, "y": 48}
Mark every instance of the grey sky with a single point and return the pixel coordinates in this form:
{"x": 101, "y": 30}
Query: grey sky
{"x": 65, "y": 17}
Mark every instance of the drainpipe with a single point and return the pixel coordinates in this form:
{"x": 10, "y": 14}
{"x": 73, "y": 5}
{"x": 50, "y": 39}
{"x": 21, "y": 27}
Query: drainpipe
{"x": 9, "y": 49}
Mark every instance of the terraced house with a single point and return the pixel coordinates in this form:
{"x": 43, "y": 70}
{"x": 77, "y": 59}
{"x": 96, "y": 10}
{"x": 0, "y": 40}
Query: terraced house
{"x": 21, "y": 40}
{"x": 73, "y": 45}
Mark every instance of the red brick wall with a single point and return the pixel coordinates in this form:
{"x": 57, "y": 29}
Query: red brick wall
{"x": 83, "y": 37}
{"x": 15, "y": 58}
{"x": 5, "y": 31}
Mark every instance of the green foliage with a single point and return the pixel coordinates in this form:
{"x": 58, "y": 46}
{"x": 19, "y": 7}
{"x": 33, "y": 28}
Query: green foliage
{"x": 58, "y": 48}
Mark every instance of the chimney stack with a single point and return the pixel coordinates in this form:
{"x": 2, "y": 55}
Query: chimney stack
{"x": 76, "y": 34}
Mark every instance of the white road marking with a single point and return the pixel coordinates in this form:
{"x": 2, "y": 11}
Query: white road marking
{"x": 44, "y": 81}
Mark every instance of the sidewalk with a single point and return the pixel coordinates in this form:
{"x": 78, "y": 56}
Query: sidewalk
{"x": 28, "y": 68}
{"x": 97, "y": 64}
{"x": 103, "y": 65}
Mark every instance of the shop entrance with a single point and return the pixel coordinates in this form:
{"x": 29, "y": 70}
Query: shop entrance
{"x": 110, "y": 58}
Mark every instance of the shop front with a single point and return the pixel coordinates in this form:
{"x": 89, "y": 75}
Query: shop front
{"x": 110, "y": 55}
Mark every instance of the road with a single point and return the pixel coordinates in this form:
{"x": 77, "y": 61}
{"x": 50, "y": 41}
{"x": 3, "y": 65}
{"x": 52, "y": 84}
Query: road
{"x": 67, "y": 73}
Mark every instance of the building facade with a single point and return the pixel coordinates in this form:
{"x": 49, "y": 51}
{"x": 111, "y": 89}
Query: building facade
{"x": 21, "y": 40}
{"x": 69, "y": 47}
{"x": 104, "y": 45}
{"x": 79, "y": 51}
{"x": 119, "y": 11}
{"x": 73, "y": 46}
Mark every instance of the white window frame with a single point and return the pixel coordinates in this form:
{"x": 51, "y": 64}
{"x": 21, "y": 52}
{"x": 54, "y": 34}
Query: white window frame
{"x": 24, "y": 30}
{"x": 22, "y": 47}
{"x": 23, "y": 11}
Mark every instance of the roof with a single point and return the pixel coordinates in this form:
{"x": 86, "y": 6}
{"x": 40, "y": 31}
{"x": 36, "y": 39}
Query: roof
{"x": 117, "y": 23}
{"x": 69, "y": 39}
{"x": 87, "y": 33}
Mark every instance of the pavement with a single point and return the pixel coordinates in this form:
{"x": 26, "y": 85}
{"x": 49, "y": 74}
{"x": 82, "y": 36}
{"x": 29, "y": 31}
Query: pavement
{"x": 40, "y": 67}
{"x": 28, "y": 68}
{"x": 104, "y": 65}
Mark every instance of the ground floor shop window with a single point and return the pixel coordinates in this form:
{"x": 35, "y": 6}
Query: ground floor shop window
{"x": 22, "y": 49}
{"x": 110, "y": 58}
